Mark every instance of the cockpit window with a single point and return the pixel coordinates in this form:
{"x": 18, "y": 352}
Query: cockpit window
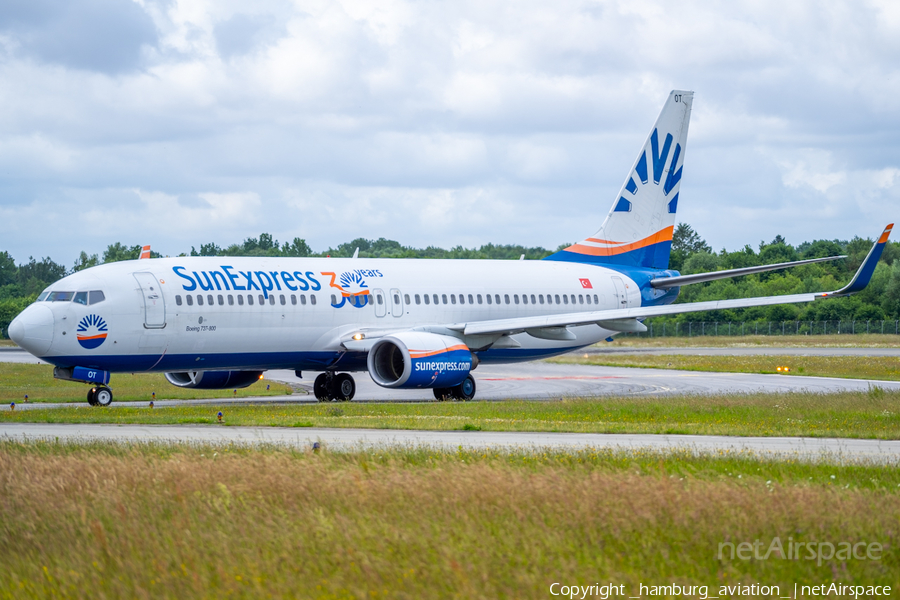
{"x": 60, "y": 296}
{"x": 42, "y": 297}
{"x": 96, "y": 297}
{"x": 81, "y": 298}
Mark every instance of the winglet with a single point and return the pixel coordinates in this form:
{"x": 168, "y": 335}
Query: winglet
{"x": 864, "y": 274}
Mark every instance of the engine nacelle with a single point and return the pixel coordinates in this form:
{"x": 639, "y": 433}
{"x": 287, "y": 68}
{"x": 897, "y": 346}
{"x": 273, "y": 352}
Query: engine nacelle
{"x": 213, "y": 380}
{"x": 419, "y": 360}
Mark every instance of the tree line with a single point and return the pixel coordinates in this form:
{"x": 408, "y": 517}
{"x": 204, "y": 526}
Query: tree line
{"x": 21, "y": 283}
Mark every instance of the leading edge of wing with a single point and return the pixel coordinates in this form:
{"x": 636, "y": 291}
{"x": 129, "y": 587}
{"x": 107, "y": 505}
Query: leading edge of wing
{"x": 614, "y": 318}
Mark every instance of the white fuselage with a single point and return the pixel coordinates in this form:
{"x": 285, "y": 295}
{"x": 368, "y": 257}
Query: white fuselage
{"x": 264, "y": 313}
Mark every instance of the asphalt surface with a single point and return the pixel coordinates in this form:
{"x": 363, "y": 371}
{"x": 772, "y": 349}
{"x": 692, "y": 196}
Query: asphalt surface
{"x": 748, "y": 351}
{"x": 811, "y": 449}
{"x": 542, "y": 381}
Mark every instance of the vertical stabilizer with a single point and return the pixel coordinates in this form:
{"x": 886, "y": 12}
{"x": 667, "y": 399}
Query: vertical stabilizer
{"x": 638, "y": 230}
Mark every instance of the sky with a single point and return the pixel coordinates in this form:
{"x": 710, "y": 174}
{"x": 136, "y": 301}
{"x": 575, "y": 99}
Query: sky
{"x": 181, "y": 122}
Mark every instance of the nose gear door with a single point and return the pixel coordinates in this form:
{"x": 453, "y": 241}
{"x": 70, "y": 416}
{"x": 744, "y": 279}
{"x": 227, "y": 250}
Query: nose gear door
{"x": 154, "y": 304}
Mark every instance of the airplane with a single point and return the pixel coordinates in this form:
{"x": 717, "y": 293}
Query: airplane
{"x": 220, "y": 322}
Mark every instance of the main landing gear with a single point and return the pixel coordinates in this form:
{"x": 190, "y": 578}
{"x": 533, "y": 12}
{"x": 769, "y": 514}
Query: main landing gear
{"x": 331, "y": 386}
{"x": 100, "y": 396}
{"x": 463, "y": 391}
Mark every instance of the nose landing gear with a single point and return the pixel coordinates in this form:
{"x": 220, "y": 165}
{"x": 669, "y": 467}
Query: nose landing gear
{"x": 100, "y": 396}
{"x": 331, "y": 386}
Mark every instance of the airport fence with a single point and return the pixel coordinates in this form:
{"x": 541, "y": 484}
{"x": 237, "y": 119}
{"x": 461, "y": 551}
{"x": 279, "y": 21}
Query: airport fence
{"x": 774, "y": 328}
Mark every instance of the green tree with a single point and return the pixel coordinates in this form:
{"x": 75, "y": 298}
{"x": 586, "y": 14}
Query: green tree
{"x": 298, "y": 248}
{"x": 685, "y": 241}
{"x": 7, "y": 269}
{"x": 118, "y": 252}
{"x": 85, "y": 262}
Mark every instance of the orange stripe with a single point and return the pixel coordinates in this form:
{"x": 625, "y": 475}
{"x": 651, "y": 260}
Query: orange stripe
{"x": 887, "y": 233}
{"x": 602, "y": 241}
{"x": 91, "y": 337}
{"x": 663, "y": 235}
{"x": 424, "y": 353}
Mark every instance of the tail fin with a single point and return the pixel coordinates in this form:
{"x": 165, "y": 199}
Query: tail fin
{"x": 638, "y": 230}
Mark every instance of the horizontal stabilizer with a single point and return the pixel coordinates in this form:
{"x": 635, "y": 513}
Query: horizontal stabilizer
{"x": 670, "y": 282}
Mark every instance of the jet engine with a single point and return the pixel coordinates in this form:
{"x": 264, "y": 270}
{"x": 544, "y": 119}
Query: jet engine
{"x": 414, "y": 359}
{"x": 213, "y": 380}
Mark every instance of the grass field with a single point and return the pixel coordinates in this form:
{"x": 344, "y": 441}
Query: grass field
{"x": 775, "y": 341}
{"x": 885, "y": 368}
{"x": 872, "y": 414}
{"x": 114, "y": 521}
{"x": 37, "y": 381}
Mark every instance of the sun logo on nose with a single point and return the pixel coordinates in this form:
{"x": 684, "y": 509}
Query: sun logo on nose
{"x": 91, "y": 331}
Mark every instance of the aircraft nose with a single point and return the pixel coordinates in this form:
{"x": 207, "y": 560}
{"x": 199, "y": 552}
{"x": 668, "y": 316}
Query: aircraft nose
{"x": 33, "y": 329}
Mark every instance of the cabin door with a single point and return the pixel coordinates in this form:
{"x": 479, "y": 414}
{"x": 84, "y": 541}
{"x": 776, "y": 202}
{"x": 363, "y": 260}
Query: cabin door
{"x": 154, "y": 305}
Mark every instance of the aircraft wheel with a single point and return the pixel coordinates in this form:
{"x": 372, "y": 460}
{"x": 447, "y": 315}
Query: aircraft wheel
{"x": 441, "y": 394}
{"x": 90, "y": 396}
{"x": 343, "y": 387}
{"x": 465, "y": 390}
{"x": 103, "y": 396}
{"x": 320, "y": 387}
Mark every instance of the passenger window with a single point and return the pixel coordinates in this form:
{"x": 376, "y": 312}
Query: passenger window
{"x": 419, "y": 299}
{"x": 240, "y": 299}
{"x": 221, "y": 300}
{"x": 312, "y": 299}
{"x": 406, "y": 298}
{"x": 444, "y": 298}
{"x": 497, "y": 299}
{"x": 462, "y": 298}
{"x": 262, "y": 299}
{"x": 397, "y": 299}
{"x": 565, "y": 299}
{"x": 573, "y": 298}
{"x": 250, "y": 299}
{"x": 557, "y": 298}
{"x": 434, "y": 297}
{"x": 516, "y": 298}
{"x": 588, "y": 298}
{"x": 209, "y": 300}
{"x": 96, "y": 297}
{"x": 294, "y": 299}
{"x": 479, "y": 298}
{"x": 488, "y": 298}
{"x": 524, "y": 298}
{"x": 470, "y": 299}
{"x": 199, "y": 299}
{"x": 333, "y": 299}
{"x": 303, "y": 299}
{"x": 378, "y": 298}
{"x": 81, "y": 298}
{"x": 452, "y": 298}
{"x": 541, "y": 298}
{"x": 580, "y": 299}
{"x": 596, "y": 301}
{"x": 178, "y": 300}
{"x": 282, "y": 299}
{"x": 190, "y": 300}
{"x": 427, "y": 299}
{"x": 272, "y": 300}
{"x": 506, "y": 297}
{"x": 230, "y": 300}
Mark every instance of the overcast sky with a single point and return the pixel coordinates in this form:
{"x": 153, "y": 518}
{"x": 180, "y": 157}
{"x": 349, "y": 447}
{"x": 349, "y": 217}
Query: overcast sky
{"x": 181, "y": 122}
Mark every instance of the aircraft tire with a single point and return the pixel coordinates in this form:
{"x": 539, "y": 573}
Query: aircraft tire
{"x": 103, "y": 396}
{"x": 90, "y": 396}
{"x": 320, "y": 387}
{"x": 465, "y": 390}
{"x": 441, "y": 394}
{"x": 343, "y": 387}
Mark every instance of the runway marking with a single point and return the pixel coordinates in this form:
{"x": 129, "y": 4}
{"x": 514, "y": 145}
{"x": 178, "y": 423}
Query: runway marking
{"x": 551, "y": 377}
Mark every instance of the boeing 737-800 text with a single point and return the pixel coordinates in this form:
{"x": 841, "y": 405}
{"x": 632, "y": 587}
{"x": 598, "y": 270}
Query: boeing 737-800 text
{"x": 216, "y": 322}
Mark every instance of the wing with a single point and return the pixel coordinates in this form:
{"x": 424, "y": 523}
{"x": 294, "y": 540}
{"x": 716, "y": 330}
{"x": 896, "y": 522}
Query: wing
{"x": 626, "y": 319}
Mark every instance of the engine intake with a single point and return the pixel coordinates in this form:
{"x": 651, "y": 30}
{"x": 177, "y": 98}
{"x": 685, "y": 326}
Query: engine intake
{"x": 419, "y": 360}
{"x": 213, "y": 380}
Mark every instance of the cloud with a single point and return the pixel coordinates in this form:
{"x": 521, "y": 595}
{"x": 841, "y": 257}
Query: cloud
{"x": 177, "y": 122}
